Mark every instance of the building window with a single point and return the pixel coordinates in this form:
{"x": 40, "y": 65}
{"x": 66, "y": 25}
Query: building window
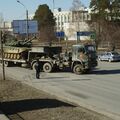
{"x": 88, "y": 17}
{"x": 65, "y": 19}
{"x": 58, "y": 23}
{"x": 58, "y": 18}
{"x": 68, "y": 18}
{"x": 84, "y": 17}
{"x": 61, "y": 18}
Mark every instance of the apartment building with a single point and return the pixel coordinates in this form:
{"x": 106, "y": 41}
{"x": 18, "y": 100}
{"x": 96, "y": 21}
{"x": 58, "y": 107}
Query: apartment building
{"x": 72, "y": 21}
{"x": 6, "y": 26}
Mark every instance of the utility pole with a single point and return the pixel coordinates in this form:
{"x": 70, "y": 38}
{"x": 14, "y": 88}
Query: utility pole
{"x": 53, "y": 6}
{"x": 27, "y": 32}
{"x": 27, "y": 29}
{"x": 2, "y": 55}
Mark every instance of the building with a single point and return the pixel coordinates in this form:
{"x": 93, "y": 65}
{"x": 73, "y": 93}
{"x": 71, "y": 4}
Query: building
{"x": 62, "y": 17}
{"x": 6, "y": 26}
{"x": 72, "y": 21}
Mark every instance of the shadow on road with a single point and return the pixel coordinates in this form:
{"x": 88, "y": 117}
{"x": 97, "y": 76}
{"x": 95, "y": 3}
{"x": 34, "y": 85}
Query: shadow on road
{"x": 103, "y": 72}
{"x": 13, "y": 107}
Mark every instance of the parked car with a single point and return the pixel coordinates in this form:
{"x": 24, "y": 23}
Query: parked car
{"x": 109, "y": 56}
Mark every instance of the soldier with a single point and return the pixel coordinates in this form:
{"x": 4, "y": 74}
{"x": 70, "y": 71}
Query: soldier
{"x": 37, "y": 68}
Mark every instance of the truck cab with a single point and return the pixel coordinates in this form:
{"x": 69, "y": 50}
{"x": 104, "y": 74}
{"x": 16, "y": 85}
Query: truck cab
{"x": 83, "y": 58}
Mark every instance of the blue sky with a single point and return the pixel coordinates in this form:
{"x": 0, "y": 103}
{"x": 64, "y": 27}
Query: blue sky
{"x": 12, "y": 10}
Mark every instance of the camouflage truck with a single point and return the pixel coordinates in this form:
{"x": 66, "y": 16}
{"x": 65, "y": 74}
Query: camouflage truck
{"x": 80, "y": 60}
{"x": 84, "y": 58}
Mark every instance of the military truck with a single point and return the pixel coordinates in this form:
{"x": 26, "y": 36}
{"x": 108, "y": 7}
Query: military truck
{"x": 80, "y": 59}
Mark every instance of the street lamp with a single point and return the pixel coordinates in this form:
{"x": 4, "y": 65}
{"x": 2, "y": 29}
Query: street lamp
{"x": 27, "y": 33}
{"x": 53, "y": 6}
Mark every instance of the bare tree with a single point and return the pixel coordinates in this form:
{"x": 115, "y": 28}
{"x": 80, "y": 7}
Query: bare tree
{"x": 77, "y": 5}
{"x": 78, "y": 18}
{"x": 107, "y": 33}
{"x": 106, "y": 22}
{"x": 111, "y": 34}
{"x": 1, "y": 20}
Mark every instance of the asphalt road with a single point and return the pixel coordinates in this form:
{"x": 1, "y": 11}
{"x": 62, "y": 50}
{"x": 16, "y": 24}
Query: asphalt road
{"x": 98, "y": 91}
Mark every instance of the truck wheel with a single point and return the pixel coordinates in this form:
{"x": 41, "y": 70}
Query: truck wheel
{"x": 47, "y": 67}
{"x": 78, "y": 69}
{"x": 33, "y": 66}
{"x": 6, "y": 63}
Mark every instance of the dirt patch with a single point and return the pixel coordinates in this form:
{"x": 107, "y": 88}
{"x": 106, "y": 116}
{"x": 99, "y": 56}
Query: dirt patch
{"x": 22, "y": 102}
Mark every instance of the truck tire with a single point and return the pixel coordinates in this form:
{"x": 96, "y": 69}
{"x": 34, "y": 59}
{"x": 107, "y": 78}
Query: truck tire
{"x": 6, "y": 64}
{"x": 47, "y": 67}
{"x": 78, "y": 69}
{"x": 33, "y": 66}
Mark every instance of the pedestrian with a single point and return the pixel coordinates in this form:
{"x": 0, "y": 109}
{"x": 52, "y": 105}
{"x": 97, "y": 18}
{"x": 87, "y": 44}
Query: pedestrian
{"x": 37, "y": 68}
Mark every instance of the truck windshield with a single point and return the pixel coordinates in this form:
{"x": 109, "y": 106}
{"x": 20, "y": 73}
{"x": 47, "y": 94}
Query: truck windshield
{"x": 81, "y": 49}
{"x": 90, "y": 48}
